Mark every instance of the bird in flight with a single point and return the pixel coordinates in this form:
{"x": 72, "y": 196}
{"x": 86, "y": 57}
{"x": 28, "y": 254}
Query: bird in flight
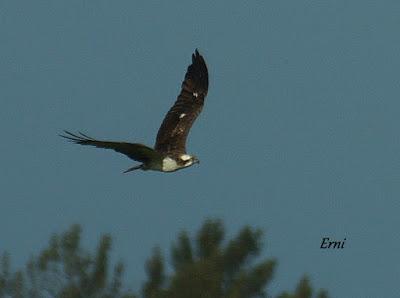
{"x": 169, "y": 153}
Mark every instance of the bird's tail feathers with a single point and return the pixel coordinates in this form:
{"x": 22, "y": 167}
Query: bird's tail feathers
{"x": 133, "y": 168}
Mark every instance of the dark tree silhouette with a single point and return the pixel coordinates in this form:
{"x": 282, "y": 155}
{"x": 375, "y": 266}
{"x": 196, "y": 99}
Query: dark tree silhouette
{"x": 64, "y": 270}
{"x": 210, "y": 267}
{"x": 205, "y": 266}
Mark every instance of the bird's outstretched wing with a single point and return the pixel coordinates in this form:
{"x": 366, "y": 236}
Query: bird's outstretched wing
{"x": 175, "y": 128}
{"x": 136, "y": 152}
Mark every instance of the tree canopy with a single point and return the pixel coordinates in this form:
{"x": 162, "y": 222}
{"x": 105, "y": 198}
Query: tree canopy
{"x": 204, "y": 266}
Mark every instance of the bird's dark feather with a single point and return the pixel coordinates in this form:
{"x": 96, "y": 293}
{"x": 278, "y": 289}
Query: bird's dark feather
{"x": 172, "y": 135}
{"x": 138, "y": 152}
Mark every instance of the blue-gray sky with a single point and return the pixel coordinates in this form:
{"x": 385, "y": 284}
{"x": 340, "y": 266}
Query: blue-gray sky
{"x": 299, "y": 135}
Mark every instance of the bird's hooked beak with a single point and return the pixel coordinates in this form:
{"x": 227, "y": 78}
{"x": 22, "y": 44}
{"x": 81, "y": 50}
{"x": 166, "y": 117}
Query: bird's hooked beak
{"x": 196, "y": 160}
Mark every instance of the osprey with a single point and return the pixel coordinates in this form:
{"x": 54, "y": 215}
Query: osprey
{"x": 169, "y": 153}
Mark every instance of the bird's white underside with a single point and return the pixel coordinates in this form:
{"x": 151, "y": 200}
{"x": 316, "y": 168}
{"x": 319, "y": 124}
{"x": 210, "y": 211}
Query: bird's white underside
{"x": 169, "y": 165}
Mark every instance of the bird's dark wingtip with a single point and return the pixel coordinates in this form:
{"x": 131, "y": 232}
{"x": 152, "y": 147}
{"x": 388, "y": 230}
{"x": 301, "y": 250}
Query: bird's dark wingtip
{"x": 68, "y": 136}
{"x": 198, "y": 72}
{"x": 85, "y": 136}
{"x": 196, "y": 55}
{"x": 75, "y": 138}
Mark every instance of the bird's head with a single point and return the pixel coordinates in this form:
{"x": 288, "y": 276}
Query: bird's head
{"x": 189, "y": 160}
